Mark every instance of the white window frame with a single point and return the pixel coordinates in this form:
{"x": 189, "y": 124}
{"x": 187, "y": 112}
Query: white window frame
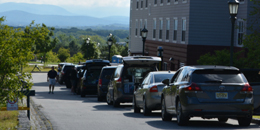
{"x": 176, "y": 2}
{"x": 168, "y": 3}
{"x": 160, "y": 29}
{"x": 183, "y": 28}
{"x": 239, "y": 31}
{"x": 175, "y": 27}
{"x": 149, "y": 9}
{"x": 156, "y": 2}
{"x": 141, "y": 7}
{"x": 136, "y": 5}
{"x": 161, "y": 3}
{"x": 154, "y": 28}
{"x": 141, "y": 27}
{"x": 168, "y": 27}
{"x": 146, "y": 3}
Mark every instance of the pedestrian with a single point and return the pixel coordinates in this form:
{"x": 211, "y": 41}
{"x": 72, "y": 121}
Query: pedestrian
{"x": 52, "y": 74}
{"x": 73, "y": 78}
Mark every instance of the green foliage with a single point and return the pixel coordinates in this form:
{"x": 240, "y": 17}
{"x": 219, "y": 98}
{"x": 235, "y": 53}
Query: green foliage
{"x": 52, "y": 57}
{"x": 74, "y": 48}
{"x": 90, "y": 51}
{"x": 76, "y": 58}
{"x": 63, "y": 54}
{"x": 15, "y": 52}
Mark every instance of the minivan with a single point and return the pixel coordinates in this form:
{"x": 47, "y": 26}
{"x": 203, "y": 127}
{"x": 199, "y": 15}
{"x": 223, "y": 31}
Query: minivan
{"x": 127, "y": 76}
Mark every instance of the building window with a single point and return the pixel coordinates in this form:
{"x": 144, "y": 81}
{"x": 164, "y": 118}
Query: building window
{"x": 142, "y": 4}
{"x": 154, "y": 28}
{"x": 146, "y": 3}
{"x": 183, "y": 30}
{"x": 241, "y": 1}
{"x": 137, "y": 4}
{"x": 184, "y": 1}
{"x": 141, "y": 24}
{"x": 161, "y": 1}
{"x": 175, "y": 1}
{"x": 161, "y": 28}
{"x": 155, "y": 2}
{"x": 136, "y": 26}
{"x": 145, "y": 23}
{"x": 240, "y": 32}
{"x": 168, "y": 1}
{"x": 175, "y": 27}
{"x": 167, "y": 28}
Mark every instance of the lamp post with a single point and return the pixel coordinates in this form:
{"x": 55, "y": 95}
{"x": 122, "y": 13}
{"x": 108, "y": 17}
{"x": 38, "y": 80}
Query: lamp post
{"x": 87, "y": 42}
{"x": 109, "y": 42}
{"x": 233, "y": 8}
{"x": 144, "y": 35}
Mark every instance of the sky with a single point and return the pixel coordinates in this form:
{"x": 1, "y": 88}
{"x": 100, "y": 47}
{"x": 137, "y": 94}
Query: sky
{"x": 97, "y": 8}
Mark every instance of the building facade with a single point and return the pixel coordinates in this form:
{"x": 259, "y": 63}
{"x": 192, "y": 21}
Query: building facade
{"x": 186, "y": 29}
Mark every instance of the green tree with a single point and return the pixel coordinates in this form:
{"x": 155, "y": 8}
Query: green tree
{"x": 76, "y": 58}
{"x": 74, "y": 48}
{"x": 63, "y": 54}
{"x": 90, "y": 51}
{"x": 15, "y": 52}
{"x": 44, "y": 40}
{"x": 52, "y": 57}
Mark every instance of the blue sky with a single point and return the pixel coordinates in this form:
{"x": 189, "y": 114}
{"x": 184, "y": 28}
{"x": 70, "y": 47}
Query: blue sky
{"x": 96, "y": 8}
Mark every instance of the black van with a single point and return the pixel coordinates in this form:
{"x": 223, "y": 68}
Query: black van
{"x": 89, "y": 81}
{"x": 129, "y": 75}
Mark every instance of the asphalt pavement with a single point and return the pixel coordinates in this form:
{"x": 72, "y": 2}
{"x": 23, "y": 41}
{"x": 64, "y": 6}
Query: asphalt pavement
{"x": 65, "y": 111}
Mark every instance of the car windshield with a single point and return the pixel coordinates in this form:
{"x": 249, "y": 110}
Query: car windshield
{"x": 217, "y": 76}
{"x": 160, "y": 77}
{"x": 136, "y": 74}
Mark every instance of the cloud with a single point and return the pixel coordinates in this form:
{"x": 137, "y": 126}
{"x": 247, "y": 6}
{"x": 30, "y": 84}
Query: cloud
{"x": 85, "y": 3}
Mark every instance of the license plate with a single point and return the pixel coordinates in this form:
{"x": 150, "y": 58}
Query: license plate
{"x": 221, "y": 95}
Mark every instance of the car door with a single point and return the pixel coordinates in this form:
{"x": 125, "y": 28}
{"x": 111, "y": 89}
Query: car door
{"x": 140, "y": 91}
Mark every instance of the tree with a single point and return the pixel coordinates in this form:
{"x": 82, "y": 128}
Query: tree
{"x": 63, "y": 54}
{"x": 90, "y": 51}
{"x": 15, "y": 52}
{"x": 76, "y": 58}
{"x": 74, "y": 48}
{"x": 44, "y": 41}
{"x": 52, "y": 57}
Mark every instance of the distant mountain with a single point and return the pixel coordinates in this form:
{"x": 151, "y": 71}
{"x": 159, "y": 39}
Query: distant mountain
{"x": 22, "y": 18}
{"x": 42, "y": 9}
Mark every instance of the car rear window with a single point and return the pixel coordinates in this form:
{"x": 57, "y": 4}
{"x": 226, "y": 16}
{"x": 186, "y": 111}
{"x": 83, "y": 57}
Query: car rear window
{"x": 160, "y": 77}
{"x": 66, "y": 68}
{"x": 217, "y": 76}
{"x": 92, "y": 76}
{"x": 106, "y": 72}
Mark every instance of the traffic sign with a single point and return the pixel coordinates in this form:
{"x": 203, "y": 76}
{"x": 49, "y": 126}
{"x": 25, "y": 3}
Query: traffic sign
{"x": 12, "y": 105}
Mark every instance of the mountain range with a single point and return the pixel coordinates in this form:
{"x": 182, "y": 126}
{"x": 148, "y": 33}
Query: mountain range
{"x": 22, "y": 14}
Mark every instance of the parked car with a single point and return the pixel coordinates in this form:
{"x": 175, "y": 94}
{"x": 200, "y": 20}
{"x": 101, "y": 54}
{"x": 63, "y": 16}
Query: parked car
{"x": 92, "y": 69}
{"x": 253, "y": 77}
{"x": 126, "y": 76}
{"x": 209, "y": 92}
{"x": 61, "y": 76}
{"x": 147, "y": 96}
{"x": 103, "y": 81}
{"x": 64, "y": 76}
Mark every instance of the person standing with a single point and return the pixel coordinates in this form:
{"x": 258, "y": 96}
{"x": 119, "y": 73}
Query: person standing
{"x": 52, "y": 74}
{"x": 73, "y": 78}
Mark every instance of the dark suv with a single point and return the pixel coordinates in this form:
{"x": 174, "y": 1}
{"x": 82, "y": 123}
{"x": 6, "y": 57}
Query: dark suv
{"x": 89, "y": 81}
{"x": 63, "y": 76}
{"x": 129, "y": 75}
{"x": 209, "y": 92}
{"x": 61, "y": 71}
{"x": 103, "y": 81}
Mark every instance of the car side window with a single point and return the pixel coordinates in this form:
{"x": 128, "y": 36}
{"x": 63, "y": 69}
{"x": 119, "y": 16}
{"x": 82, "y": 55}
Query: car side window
{"x": 180, "y": 77}
{"x": 117, "y": 72}
{"x": 186, "y": 76}
{"x": 151, "y": 79}
{"x": 175, "y": 77}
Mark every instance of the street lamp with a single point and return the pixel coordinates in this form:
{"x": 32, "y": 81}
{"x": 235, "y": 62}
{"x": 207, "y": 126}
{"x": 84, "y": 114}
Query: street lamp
{"x": 233, "y": 8}
{"x": 109, "y": 42}
{"x": 87, "y": 42}
{"x": 144, "y": 35}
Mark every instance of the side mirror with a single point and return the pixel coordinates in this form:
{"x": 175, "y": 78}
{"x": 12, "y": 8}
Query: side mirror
{"x": 108, "y": 77}
{"x": 166, "y": 82}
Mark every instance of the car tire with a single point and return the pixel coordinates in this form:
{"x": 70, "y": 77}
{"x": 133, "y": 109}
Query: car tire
{"x": 109, "y": 102}
{"x": 82, "y": 94}
{"x": 165, "y": 115}
{"x": 244, "y": 121}
{"x": 181, "y": 118}
{"x": 136, "y": 109}
{"x": 78, "y": 91}
{"x": 222, "y": 119}
{"x": 146, "y": 111}
{"x": 99, "y": 98}
{"x": 115, "y": 103}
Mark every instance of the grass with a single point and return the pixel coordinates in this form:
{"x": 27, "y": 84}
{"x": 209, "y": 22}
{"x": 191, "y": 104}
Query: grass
{"x": 8, "y": 120}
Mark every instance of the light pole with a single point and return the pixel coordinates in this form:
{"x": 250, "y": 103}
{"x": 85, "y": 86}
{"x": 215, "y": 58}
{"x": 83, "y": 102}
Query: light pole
{"x": 233, "y": 8}
{"x": 144, "y": 35}
{"x": 109, "y": 42}
{"x": 87, "y": 42}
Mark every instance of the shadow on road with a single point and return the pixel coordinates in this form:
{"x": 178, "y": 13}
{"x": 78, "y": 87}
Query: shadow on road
{"x": 105, "y": 107}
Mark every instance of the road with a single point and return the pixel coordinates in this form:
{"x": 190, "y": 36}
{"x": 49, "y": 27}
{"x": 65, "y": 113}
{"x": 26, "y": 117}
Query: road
{"x": 71, "y": 112}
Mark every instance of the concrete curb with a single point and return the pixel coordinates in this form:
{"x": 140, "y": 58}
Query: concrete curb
{"x": 256, "y": 121}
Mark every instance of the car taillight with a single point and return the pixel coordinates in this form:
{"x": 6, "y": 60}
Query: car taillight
{"x": 62, "y": 73}
{"x": 247, "y": 88}
{"x": 193, "y": 87}
{"x": 119, "y": 80}
{"x": 154, "y": 89}
{"x": 100, "y": 82}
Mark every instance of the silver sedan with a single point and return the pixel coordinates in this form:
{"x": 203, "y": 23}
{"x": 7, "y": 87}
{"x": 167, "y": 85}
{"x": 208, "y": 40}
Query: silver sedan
{"x": 147, "y": 96}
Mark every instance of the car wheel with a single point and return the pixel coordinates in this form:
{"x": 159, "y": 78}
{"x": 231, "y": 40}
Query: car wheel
{"x": 78, "y": 91}
{"x": 181, "y": 118}
{"x": 222, "y": 119}
{"x": 115, "y": 103}
{"x": 99, "y": 98}
{"x": 146, "y": 110}
{"x": 82, "y": 94}
{"x": 109, "y": 102}
{"x": 165, "y": 116}
{"x": 244, "y": 121}
{"x": 136, "y": 109}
